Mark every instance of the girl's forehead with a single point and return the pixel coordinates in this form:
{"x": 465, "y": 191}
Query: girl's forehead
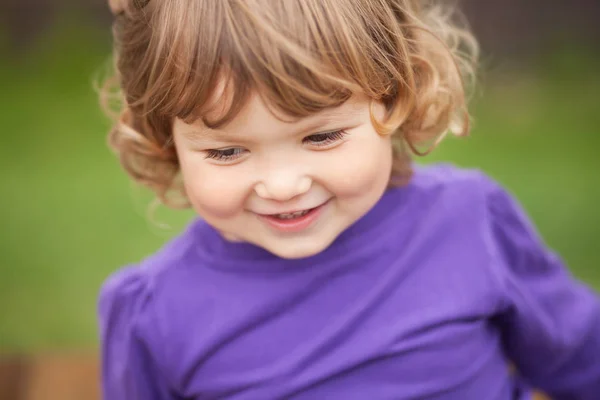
{"x": 257, "y": 105}
{"x": 257, "y": 118}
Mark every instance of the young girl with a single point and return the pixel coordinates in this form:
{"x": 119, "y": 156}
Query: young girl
{"x": 325, "y": 265}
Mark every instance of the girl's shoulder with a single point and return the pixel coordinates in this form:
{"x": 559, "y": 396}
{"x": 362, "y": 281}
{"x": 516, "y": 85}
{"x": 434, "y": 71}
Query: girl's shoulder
{"x": 468, "y": 202}
{"x": 141, "y": 304}
{"x": 454, "y": 186}
{"x": 448, "y": 176}
{"x": 468, "y": 205}
{"x": 149, "y": 272}
{"x": 136, "y": 291}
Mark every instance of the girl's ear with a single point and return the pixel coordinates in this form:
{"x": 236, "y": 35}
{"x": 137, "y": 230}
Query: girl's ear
{"x": 116, "y": 6}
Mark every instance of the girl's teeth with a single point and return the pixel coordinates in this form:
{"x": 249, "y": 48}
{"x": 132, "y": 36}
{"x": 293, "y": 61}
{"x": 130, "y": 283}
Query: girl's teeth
{"x": 292, "y": 215}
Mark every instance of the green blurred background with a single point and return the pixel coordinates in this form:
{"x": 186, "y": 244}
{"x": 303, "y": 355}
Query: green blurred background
{"x": 70, "y": 216}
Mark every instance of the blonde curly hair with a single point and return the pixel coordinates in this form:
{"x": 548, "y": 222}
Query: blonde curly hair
{"x": 302, "y": 56}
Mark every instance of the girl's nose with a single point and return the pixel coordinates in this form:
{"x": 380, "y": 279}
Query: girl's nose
{"x": 283, "y": 185}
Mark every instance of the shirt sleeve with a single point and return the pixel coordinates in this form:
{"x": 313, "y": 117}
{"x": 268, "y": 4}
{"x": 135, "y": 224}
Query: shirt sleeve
{"x": 550, "y": 322}
{"x": 130, "y": 370}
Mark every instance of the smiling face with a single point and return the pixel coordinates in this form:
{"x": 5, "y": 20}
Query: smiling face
{"x": 290, "y": 187}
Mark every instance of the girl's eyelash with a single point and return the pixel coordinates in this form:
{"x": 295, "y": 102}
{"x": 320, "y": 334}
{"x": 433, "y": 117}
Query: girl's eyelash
{"x": 325, "y": 139}
{"x": 318, "y": 140}
{"x": 229, "y": 154}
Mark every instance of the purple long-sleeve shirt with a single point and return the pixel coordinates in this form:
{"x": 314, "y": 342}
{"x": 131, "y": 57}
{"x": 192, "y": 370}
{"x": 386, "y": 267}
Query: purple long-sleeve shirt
{"x": 429, "y": 296}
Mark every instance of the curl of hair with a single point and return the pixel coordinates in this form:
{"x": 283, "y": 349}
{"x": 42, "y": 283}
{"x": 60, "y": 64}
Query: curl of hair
{"x": 300, "y": 56}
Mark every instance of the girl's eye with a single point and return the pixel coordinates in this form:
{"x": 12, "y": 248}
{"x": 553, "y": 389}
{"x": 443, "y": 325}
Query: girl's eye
{"x": 230, "y": 154}
{"x": 324, "y": 139}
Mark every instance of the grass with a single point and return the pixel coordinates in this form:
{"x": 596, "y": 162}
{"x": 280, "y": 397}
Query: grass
{"x": 70, "y": 216}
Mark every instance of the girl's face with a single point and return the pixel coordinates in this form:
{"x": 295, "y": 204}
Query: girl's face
{"x": 288, "y": 187}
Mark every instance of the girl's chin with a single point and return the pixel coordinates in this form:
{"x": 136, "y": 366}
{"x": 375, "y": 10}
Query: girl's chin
{"x": 231, "y": 237}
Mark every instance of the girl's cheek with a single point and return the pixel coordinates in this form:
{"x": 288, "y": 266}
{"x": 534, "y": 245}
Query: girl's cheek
{"x": 215, "y": 193}
{"x": 360, "y": 168}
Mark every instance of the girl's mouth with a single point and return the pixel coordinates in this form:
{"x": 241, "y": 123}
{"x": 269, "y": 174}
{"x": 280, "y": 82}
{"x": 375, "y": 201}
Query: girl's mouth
{"x": 295, "y": 221}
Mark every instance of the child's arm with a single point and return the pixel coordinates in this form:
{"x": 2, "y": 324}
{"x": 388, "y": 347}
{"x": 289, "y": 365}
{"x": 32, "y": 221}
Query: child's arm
{"x": 130, "y": 370}
{"x": 550, "y": 322}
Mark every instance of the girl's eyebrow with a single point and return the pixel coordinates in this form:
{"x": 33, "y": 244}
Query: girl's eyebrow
{"x": 202, "y": 134}
{"x": 343, "y": 116}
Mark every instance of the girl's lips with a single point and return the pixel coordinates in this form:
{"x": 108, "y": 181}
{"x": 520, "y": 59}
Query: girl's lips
{"x": 294, "y": 224}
